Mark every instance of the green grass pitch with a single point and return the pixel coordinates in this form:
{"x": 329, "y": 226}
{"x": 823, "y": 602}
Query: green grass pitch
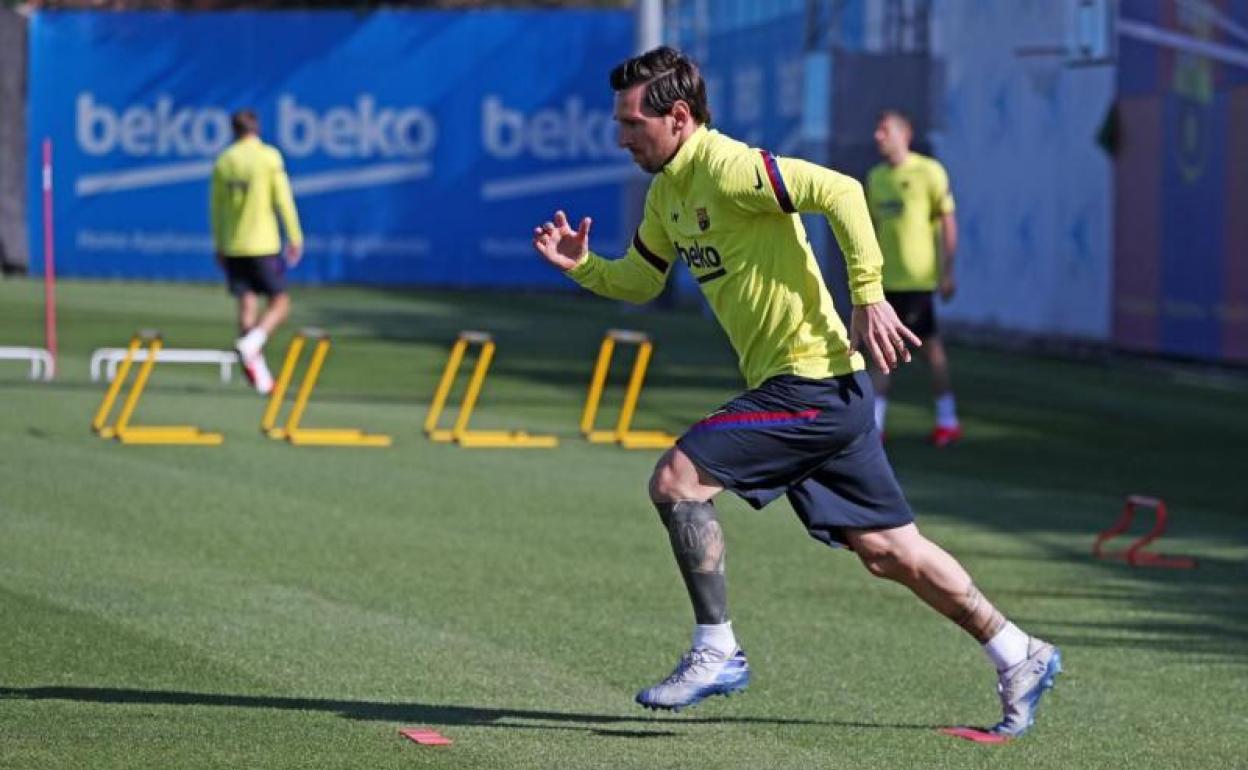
{"x": 259, "y": 605}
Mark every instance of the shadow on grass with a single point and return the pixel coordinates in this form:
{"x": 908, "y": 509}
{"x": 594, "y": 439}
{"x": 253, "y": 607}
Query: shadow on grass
{"x": 426, "y": 713}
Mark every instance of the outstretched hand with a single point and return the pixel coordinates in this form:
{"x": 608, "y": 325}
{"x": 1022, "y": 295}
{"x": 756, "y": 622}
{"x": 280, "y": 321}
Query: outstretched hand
{"x": 876, "y": 329}
{"x": 559, "y": 244}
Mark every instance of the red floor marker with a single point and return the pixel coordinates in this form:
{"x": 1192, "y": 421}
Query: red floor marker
{"x": 974, "y": 734}
{"x": 425, "y": 737}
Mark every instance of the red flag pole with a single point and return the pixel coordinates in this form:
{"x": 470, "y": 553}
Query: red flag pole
{"x": 49, "y": 257}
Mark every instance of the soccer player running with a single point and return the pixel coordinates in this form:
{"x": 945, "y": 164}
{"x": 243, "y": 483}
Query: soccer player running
{"x": 804, "y": 428}
{"x": 913, "y": 213}
{"x": 249, "y": 190}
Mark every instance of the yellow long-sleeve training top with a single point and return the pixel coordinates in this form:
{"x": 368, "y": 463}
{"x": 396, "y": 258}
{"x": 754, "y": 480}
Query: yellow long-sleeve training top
{"x": 249, "y": 188}
{"x": 730, "y": 213}
{"x": 907, "y": 203}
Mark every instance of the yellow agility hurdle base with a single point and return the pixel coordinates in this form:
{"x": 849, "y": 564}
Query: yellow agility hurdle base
{"x": 122, "y": 430}
{"x": 459, "y": 432}
{"x": 622, "y": 434}
{"x": 292, "y": 431}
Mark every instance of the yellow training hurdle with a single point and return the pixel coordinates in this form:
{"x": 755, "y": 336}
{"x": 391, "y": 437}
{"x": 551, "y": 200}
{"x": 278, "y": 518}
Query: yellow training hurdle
{"x": 292, "y": 431}
{"x": 122, "y": 430}
{"x": 622, "y": 434}
{"x": 459, "y": 433}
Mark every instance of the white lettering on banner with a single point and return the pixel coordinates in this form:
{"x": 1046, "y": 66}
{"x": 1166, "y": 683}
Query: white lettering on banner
{"x": 164, "y": 129}
{"x": 362, "y": 132}
{"x": 400, "y": 136}
{"x": 144, "y": 241}
{"x": 571, "y": 132}
{"x": 160, "y": 130}
{"x": 365, "y": 245}
{"x": 200, "y": 243}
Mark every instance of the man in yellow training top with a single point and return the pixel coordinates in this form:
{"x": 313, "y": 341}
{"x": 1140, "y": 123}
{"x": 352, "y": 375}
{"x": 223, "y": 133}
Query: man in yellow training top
{"x": 913, "y": 213}
{"x": 804, "y": 428}
{"x": 249, "y": 191}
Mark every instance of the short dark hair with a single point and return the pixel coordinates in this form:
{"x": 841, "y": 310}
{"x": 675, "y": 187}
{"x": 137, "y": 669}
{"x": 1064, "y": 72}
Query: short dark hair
{"x": 669, "y": 75}
{"x": 244, "y": 122}
{"x": 900, "y": 117}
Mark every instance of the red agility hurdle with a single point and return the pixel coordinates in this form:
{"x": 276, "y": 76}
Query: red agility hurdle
{"x": 1134, "y": 554}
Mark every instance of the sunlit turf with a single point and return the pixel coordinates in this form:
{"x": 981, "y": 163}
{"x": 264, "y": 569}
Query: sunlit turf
{"x": 258, "y": 605}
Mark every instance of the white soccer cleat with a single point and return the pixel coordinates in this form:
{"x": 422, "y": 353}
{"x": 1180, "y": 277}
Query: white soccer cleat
{"x": 1021, "y": 686}
{"x": 701, "y": 673}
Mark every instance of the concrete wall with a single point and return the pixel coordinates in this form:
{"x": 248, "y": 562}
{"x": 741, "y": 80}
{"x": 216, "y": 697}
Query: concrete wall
{"x": 1034, "y": 188}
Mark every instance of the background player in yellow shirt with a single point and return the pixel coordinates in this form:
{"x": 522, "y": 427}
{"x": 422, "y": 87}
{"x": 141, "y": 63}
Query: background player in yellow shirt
{"x": 249, "y": 191}
{"x": 912, "y": 209}
{"x": 805, "y": 427}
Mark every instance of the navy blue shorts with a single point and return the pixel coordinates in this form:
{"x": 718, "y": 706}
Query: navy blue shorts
{"x": 812, "y": 440}
{"x": 916, "y": 309}
{"x": 259, "y": 275}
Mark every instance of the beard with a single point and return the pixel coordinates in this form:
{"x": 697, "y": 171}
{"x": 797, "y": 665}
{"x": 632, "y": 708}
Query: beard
{"x": 648, "y": 165}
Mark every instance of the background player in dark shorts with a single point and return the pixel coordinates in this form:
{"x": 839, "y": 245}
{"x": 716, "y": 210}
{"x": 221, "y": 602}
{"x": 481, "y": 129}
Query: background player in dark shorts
{"x": 265, "y": 276}
{"x": 913, "y": 212}
{"x": 917, "y": 310}
{"x": 250, "y": 191}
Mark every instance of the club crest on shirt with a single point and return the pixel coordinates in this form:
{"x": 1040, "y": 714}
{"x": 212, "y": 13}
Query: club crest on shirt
{"x": 704, "y": 221}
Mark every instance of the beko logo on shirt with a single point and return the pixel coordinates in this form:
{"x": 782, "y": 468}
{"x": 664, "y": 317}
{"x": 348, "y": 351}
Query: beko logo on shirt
{"x": 164, "y": 129}
{"x": 698, "y": 255}
{"x": 566, "y": 132}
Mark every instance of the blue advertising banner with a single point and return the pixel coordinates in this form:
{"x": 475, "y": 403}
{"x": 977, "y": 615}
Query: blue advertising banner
{"x": 422, "y": 147}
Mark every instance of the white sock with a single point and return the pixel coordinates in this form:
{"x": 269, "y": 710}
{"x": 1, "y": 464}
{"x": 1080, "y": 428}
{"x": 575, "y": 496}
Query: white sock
{"x": 718, "y": 637}
{"x": 253, "y": 341}
{"x": 946, "y": 411}
{"x": 1008, "y": 648}
{"x": 881, "y": 408}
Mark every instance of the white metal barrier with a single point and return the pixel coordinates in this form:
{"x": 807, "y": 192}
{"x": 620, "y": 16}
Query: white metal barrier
{"x": 41, "y": 364}
{"x": 107, "y": 359}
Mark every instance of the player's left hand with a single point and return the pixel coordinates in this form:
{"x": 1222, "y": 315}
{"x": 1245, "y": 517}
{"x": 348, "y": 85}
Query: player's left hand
{"x": 877, "y": 329}
{"x": 948, "y": 287}
{"x": 294, "y": 253}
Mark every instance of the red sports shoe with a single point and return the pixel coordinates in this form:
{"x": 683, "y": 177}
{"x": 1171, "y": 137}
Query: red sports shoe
{"x": 942, "y": 437}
